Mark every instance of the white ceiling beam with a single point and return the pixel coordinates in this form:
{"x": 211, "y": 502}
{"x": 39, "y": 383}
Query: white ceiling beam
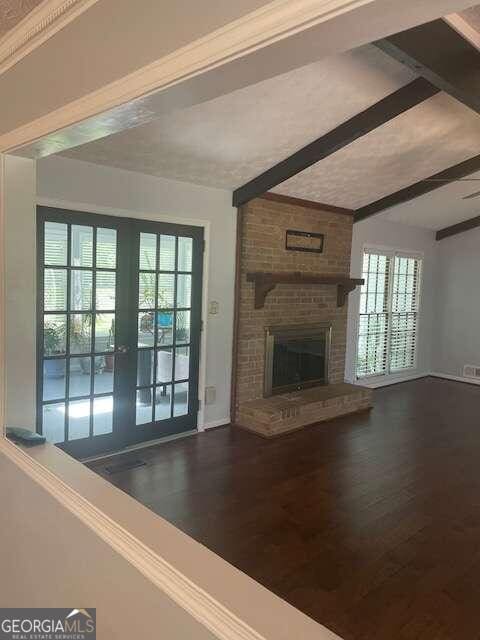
{"x": 279, "y": 37}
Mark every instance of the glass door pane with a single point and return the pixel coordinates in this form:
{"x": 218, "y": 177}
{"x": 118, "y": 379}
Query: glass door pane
{"x": 166, "y": 282}
{"x": 79, "y": 309}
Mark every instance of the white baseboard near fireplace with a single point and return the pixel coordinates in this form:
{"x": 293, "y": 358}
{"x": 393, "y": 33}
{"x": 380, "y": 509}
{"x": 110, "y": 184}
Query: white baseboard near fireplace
{"x": 375, "y": 384}
{"x": 386, "y": 381}
{"x": 223, "y": 422}
{"x": 447, "y": 376}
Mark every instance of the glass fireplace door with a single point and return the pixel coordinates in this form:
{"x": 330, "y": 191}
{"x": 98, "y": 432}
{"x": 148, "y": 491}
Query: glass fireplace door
{"x": 296, "y": 357}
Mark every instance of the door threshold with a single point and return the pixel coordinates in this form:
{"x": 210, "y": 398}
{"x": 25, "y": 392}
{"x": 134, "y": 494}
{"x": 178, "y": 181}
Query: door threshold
{"x": 140, "y": 445}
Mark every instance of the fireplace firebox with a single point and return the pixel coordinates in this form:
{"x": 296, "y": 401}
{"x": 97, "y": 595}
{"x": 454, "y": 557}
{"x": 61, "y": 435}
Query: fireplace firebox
{"x": 296, "y": 357}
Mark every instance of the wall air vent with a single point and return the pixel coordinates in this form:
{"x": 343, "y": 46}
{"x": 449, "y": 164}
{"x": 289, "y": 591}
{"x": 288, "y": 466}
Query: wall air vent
{"x": 471, "y": 371}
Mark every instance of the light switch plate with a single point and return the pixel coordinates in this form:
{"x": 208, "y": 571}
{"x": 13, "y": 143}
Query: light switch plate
{"x": 210, "y": 395}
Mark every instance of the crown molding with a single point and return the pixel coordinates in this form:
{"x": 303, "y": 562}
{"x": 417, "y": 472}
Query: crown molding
{"x": 273, "y": 22}
{"x": 43, "y": 22}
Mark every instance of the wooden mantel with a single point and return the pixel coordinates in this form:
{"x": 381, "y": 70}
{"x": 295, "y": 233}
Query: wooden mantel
{"x": 265, "y": 282}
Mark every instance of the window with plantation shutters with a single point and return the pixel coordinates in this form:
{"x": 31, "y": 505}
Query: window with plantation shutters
{"x": 404, "y": 312}
{"x": 373, "y": 323}
{"x": 389, "y": 306}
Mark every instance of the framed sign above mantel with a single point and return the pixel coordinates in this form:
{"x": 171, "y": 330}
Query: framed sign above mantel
{"x": 304, "y": 241}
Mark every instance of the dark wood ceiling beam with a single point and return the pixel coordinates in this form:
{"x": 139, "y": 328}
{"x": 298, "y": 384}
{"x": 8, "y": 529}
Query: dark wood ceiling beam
{"x": 461, "y": 227}
{"x": 375, "y": 116}
{"x": 436, "y": 51}
{"x": 419, "y": 188}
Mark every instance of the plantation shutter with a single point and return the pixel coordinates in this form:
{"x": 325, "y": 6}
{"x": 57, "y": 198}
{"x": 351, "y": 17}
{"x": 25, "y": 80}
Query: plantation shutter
{"x": 404, "y": 316}
{"x": 389, "y": 306}
{"x": 374, "y": 307}
{"x": 55, "y": 283}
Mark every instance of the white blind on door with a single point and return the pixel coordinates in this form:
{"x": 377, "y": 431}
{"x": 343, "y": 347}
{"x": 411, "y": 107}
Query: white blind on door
{"x": 373, "y": 324}
{"x": 389, "y": 306}
{"x": 404, "y": 316}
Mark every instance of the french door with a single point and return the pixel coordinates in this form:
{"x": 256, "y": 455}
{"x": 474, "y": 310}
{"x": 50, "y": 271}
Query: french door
{"x": 119, "y": 321}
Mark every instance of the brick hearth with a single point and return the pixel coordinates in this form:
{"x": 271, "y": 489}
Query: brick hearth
{"x": 280, "y": 414}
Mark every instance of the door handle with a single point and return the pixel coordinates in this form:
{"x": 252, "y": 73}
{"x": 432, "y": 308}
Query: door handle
{"x": 122, "y": 349}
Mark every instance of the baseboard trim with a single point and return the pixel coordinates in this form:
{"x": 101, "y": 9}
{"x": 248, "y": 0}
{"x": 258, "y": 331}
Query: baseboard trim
{"x": 141, "y": 445}
{"x": 390, "y": 381}
{"x": 447, "y": 376}
{"x": 214, "y": 424}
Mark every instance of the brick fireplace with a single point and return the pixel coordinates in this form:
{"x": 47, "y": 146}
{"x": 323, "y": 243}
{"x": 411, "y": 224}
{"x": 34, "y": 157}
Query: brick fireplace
{"x": 322, "y": 245}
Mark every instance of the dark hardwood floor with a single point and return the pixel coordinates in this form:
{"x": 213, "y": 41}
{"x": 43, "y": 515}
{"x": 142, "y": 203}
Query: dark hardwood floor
{"x": 370, "y": 524}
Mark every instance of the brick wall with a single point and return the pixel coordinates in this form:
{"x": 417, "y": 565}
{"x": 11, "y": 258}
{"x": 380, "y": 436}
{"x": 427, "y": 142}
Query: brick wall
{"x": 265, "y": 223}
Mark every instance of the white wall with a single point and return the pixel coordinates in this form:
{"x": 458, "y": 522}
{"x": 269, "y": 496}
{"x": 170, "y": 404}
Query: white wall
{"x": 381, "y": 233}
{"x": 456, "y": 331}
{"x": 88, "y": 187}
{"x": 41, "y": 537}
{"x": 20, "y": 291}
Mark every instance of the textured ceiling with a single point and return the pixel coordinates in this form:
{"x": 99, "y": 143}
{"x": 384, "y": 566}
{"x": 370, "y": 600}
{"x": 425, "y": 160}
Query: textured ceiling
{"x": 440, "y": 208}
{"x": 227, "y": 141}
{"x": 12, "y": 11}
{"x": 421, "y": 142}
